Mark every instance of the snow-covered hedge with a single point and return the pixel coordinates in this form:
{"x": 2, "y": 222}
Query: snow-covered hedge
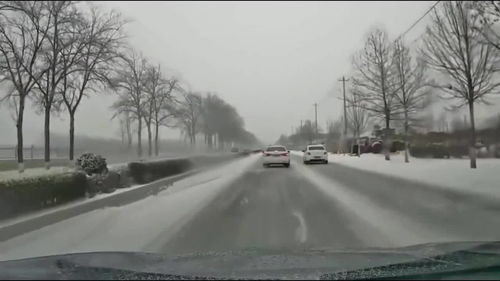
{"x": 34, "y": 193}
{"x": 144, "y": 172}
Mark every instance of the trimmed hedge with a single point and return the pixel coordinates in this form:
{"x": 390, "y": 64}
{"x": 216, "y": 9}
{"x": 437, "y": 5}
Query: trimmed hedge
{"x": 36, "y": 193}
{"x": 458, "y": 151}
{"x": 144, "y": 172}
{"x": 430, "y": 151}
{"x": 397, "y": 146}
{"x": 30, "y": 194}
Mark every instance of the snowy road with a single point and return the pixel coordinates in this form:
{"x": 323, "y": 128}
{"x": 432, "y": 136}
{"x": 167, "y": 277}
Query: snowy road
{"x": 243, "y": 205}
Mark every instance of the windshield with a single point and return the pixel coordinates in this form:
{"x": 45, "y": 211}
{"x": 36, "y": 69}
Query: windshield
{"x": 316, "y": 148}
{"x": 275, "y": 148}
{"x": 182, "y": 128}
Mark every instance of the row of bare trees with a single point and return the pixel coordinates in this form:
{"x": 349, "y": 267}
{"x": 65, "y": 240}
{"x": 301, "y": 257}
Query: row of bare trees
{"x": 459, "y": 48}
{"x": 145, "y": 97}
{"x": 54, "y": 53}
{"x": 150, "y": 99}
{"x": 153, "y": 100}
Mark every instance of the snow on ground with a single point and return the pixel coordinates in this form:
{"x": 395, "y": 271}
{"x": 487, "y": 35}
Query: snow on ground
{"x": 33, "y": 172}
{"x": 385, "y": 226}
{"x": 144, "y": 225}
{"x": 447, "y": 173}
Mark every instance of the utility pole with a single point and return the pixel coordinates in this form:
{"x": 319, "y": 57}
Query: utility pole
{"x": 316, "y": 119}
{"x": 345, "y": 107}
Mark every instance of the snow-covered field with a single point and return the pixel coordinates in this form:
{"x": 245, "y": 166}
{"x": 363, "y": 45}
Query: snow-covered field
{"x": 447, "y": 173}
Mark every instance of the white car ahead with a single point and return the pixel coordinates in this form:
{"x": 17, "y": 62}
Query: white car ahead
{"x": 276, "y": 154}
{"x": 315, "y": 153}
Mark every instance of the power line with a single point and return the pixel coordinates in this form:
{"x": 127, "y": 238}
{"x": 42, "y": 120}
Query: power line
{"x": 418, "y": 20}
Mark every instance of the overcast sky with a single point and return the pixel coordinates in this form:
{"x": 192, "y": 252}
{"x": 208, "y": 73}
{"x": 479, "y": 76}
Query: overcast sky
{"x": 271, "y": 60}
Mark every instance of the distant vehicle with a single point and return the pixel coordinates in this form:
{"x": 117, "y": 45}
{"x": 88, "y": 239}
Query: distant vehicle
{"x": 234, "y": 149}
{"x": 276, "y": 154}
{"x": 315, "y": 153}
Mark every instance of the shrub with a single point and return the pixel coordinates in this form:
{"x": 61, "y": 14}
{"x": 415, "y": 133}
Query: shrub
{"x": 144, "y": 172}
{"x": 431, "y": 150}
{"x": 29, "y": 194}
{"x": 458, "y": 150}
{"x": 397, "y": 146}
{"x": 103, "y": 183}
{"x": 439, "y": 151}
{"x": 91, "y": 163}
{"x": 419, "y": 151}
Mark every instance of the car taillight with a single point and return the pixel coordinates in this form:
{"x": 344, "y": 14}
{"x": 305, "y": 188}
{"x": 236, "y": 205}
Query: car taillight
{"x": 267, "y": 154}
{"x": 284, "y": 154}
{"x": 309, "y": 153}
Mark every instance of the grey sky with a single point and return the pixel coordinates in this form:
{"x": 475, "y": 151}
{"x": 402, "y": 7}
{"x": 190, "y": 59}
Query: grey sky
{"x": 271, "y": 60}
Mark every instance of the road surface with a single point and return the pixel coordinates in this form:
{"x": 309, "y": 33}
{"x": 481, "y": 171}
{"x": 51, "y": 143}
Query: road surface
{"x": 243, "y": 205}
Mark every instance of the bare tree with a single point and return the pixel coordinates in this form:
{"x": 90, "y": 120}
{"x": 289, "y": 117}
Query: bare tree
{"x": 87, "y": 63}
{"x": 374, "y": 81}
{"x": 128, "y": 129}
{"x": 128, "y": 82}
{"x": 410, "y": 80}
{"x": 159, "y": 103}
{"x": 60, "y": 36}
{"x": 489, "y": 15}
{"x": 163, "y": 108}
{"x": 188, "y": 114}
{"x": 23, "y": 32}
{"x": 453, "y": 46}
{"x": 357, "y": 117}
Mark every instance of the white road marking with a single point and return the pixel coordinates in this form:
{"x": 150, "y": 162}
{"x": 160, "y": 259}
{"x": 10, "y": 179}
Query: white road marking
{"x": 301, "y": 231}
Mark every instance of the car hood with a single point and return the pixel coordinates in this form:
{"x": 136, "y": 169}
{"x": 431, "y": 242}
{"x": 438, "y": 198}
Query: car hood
{"x": 421, "y": 260}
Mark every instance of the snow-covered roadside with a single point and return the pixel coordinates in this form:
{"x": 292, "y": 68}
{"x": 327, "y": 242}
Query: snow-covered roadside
{"x": 140, "y": 226}
{"x": 454, "y": 174}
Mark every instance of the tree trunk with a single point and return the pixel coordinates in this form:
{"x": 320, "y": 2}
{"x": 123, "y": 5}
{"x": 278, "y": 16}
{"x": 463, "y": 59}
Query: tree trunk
{"x": 19, "y": 127}
{"x": 209, "y": 141}
{"x": 150, "y": 140}
{"x": 193, "y": 137}
{"x": 157, "y": 129}
{"x": 387, "y": 140}
{"x": 129, "y": 133}
{"x": 71, "y": 135}
{"x": 358, "y": 152}
{"x": 139, "y": 137}
{"x": 47, "y": 138}
{"x": 220, "y": 141}
{"x": 472, "y": 147}
{"x": 407, "y": 160}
